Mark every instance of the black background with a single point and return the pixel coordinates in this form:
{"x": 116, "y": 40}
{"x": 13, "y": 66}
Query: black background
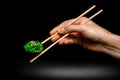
{"x": 33, "y": 21}
{"x": 36, "y": 19}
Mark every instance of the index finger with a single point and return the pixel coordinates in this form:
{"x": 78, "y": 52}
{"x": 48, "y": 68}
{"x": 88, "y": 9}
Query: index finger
{"x": 65, "y": 23}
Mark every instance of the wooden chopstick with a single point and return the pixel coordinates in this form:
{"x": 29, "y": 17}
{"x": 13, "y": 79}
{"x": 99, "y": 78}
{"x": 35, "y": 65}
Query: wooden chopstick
{"x": 88, "y": 10}
{"x": 62, "y": 38}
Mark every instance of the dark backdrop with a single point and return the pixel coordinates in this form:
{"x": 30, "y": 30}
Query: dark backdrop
{"x": 33, "y": 21}
{"x": 36, "y": 19}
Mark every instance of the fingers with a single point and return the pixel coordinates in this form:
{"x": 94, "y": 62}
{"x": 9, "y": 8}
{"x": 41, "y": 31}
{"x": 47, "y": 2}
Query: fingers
{"x": 63, "y": 41}
{"x": 78, "y": 26}
{"x": 71, "y": 39}
{"x": 65, "y": 23}
{"x": 71, "y": 28}
{"x": 64, "y": 28}
{"x": 66, "y": 41}
{"x": 56, "y": 37}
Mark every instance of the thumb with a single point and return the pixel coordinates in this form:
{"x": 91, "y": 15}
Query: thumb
{"x": 69, "y": 29}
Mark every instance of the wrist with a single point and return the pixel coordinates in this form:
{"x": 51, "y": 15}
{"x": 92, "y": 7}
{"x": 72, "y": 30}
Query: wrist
{"x": 111, "y": 45}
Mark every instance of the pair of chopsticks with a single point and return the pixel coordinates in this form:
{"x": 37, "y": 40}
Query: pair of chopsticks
{"x": 67, "y": 33}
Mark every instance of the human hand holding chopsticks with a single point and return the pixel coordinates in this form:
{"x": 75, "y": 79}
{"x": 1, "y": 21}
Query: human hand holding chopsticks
{"x": 81, "y": 31}
{"x": 89, "y": 35}
{"x": 71, "y": 22}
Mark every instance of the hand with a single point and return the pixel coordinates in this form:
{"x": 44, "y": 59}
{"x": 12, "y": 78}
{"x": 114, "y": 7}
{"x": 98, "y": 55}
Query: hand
{"x": 89, "y": 35}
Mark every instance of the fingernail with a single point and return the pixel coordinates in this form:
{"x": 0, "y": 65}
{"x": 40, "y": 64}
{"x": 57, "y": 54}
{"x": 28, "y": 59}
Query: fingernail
{"x": 61, "y": 30}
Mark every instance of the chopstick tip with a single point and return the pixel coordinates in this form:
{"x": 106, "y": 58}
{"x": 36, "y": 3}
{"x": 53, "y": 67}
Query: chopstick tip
{"x": 94, "y": 5}
{"x": 31, "y": 61}
{"x": 101, "y": 10}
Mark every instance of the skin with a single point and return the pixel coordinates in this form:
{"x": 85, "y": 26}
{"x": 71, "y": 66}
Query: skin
{"x": 89, "y": 35}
